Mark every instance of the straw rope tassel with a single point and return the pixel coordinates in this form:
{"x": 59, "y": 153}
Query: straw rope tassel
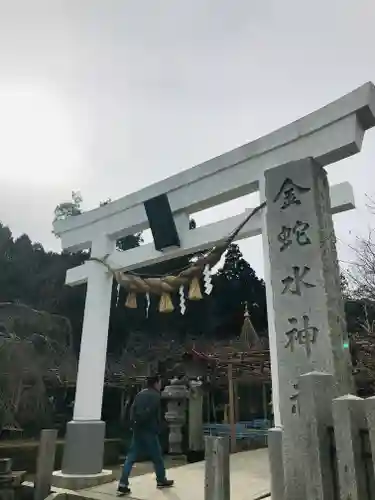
{"x": 166, "y": 304}
{"x": 190, "y": 276}
{"x": 131, "y": 300}
{"x": 195, "y": 290}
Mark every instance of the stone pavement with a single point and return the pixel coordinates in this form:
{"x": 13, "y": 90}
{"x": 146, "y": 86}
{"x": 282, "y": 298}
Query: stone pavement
{"x": 249, "y": 480}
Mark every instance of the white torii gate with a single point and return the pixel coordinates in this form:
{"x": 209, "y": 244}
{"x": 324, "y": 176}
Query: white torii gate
{"x": 327, "y": 135}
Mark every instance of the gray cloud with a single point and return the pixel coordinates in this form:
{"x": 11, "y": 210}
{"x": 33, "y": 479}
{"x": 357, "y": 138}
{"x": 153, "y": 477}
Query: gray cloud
{"x": 152, "y": 87}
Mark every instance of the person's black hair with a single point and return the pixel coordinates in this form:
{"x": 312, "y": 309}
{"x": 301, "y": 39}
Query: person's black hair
{"x": 152, "y": 380}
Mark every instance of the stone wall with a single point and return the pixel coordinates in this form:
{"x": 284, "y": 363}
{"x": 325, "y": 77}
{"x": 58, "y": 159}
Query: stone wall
{"x": 24, "y": 454}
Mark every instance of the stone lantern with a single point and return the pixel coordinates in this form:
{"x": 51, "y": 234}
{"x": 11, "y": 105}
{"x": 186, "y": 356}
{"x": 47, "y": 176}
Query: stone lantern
{"x": 176, "y": 395}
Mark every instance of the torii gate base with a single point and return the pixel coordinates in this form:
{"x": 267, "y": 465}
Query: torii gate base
{"x": 323, "y": 137}
{"x": 81, "y": 435}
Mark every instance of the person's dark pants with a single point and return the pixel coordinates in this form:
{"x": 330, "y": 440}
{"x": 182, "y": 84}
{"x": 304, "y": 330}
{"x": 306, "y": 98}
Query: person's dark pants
{"x": 144, "y": 443}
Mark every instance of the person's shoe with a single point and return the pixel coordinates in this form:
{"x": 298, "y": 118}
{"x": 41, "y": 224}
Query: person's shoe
{"x": 123, "y": 490}
{"x": 167, "y": 483}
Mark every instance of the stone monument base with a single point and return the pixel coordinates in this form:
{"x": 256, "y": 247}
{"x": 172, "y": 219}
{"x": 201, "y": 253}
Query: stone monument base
{"x": 82, "y": 465}
{"x": 84, "y": 448}
{"x": 80, "y": 482}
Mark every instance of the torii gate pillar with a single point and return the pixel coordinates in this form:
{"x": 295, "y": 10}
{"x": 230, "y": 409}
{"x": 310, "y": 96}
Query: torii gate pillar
{"x": 85, "y": 436}
{"x": 327, "y": 135}
{"x": 86, "y": 430}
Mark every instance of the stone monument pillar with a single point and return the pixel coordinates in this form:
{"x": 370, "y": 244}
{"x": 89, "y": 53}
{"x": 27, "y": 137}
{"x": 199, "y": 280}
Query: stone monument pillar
{"x": 176, "y": 395}
{"x": 309, "y": 315}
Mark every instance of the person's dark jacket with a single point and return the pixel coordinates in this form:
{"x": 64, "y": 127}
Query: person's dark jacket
{"x": 148, "y": 400}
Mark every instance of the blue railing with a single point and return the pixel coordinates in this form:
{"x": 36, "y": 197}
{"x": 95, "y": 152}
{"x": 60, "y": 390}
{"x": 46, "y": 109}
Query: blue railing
{"x": 253, "y": 430}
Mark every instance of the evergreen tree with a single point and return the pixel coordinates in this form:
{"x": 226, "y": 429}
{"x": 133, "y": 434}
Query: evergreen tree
{"x": 238, "y": 283}
{"x": 234, "y": 263}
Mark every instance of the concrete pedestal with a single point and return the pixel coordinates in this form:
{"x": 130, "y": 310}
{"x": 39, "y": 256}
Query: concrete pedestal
{"x": 84, "y": 448}
{"x": 81, "y": 481}
{"x": 82, "y": 465}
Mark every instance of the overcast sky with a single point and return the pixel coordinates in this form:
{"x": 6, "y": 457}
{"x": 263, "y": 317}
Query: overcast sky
{"x": 107, "y": 96}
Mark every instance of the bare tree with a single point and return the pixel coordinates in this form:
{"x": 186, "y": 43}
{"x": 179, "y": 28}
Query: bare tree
{"x": 362, "y": 270}
{"x": 361, "y": 274}
{"x": 26, "y": 365}
{"x": 359, "y": 279}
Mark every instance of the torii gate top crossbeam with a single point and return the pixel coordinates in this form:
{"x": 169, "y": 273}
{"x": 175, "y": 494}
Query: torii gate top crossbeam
{"x": 328, "y": 135}
{"x": 342, "y": 199}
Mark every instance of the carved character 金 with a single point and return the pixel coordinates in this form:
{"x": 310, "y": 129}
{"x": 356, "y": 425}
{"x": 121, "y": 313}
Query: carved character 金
{"x": 288, "y": 192}
{"x": 306, "y": 335}
{"x": 297, "y": 280}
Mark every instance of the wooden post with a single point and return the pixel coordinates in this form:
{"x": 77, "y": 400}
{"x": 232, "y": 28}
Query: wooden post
{"x": 208, "y": 409}
{"x": 123, "y": 406}
{"x": 232, "y": 422}
{"x": 214, "y": 414}
{"x": 370, "y": 416}
{"x": 196, "y": 417}
{"x": 236, "y": 401}
{"x": 217, "y": 477}
{"x": 45, "y": 464}
{"x": 264, "y": 401}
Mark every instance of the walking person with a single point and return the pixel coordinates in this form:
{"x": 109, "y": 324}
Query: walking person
{"x": 145, "y": 416}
